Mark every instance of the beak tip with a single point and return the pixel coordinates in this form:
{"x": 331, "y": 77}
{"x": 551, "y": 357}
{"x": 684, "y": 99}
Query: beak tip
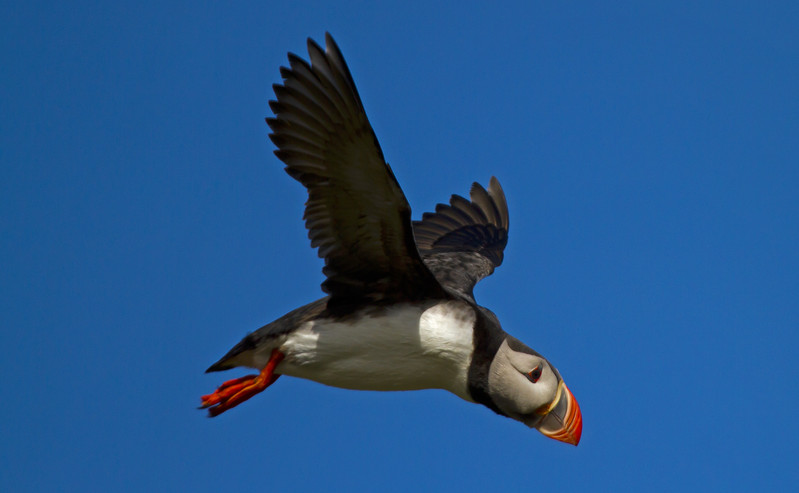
{"x": 568, "y": 418}
{"x": 577, "y": 427}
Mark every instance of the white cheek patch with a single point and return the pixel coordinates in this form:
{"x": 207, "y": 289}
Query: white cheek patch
{"x": 510, "y": 388}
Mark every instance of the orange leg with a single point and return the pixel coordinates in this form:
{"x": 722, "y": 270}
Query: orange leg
{"x": 233, "y": 392}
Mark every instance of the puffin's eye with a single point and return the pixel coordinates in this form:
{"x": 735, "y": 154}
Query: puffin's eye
{"x": 534, "y": 374}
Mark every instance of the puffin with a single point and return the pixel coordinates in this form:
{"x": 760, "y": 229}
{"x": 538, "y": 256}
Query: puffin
{"x": 399, "y": 311}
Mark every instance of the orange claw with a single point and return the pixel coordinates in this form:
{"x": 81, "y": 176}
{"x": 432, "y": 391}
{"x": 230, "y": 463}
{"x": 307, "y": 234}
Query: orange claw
{"x": 233, "y": 392}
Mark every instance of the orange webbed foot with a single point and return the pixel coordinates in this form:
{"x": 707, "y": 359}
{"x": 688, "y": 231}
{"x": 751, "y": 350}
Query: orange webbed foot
{"x": 233, "y": 392}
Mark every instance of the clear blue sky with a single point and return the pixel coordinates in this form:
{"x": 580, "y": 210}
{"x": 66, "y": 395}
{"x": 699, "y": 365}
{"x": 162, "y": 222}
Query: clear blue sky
{"x": 650, "y": 157}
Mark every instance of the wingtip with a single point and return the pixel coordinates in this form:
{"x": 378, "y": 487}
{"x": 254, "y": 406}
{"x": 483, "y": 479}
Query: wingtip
{"x": 313, "y": 45}
{"x": 493, "y": 186}
{"x": 329, "y": 41}
{"x": 334, "y": 53}
{"x": 496, "y": 192}
{"x": 475, "y": 186}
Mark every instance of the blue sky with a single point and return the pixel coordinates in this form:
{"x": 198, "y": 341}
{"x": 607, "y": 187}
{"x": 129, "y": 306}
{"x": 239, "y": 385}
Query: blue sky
{"x": 650, "y": 159}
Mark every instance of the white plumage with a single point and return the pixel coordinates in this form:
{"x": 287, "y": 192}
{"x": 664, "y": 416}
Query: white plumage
{"x": 403, "y": 347}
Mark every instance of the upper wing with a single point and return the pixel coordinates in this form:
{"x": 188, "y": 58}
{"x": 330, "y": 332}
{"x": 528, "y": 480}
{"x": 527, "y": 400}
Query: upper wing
{"x": 356, "y": 213}
{"x": 463, "y": 242}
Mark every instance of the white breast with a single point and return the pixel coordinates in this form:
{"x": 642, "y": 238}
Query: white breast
{"x": 405, "y": 347}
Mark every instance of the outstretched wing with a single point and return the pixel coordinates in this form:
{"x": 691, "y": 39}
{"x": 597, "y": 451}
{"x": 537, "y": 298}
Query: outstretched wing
{"x": 356, "y": 213}
{"x": 464, "y": 241}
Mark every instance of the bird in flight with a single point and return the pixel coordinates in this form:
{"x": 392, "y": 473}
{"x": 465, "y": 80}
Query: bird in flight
{"x": 400, "y": 312}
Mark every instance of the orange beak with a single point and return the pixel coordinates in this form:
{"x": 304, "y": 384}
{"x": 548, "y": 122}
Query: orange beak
{"x": 563, "y": 422}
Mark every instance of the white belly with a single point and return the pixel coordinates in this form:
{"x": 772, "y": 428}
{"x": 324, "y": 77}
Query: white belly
{"x": 404, "y": 347}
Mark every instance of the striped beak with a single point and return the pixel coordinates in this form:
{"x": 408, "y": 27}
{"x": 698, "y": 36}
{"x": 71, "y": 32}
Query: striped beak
{"x": 564, "y": 421}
